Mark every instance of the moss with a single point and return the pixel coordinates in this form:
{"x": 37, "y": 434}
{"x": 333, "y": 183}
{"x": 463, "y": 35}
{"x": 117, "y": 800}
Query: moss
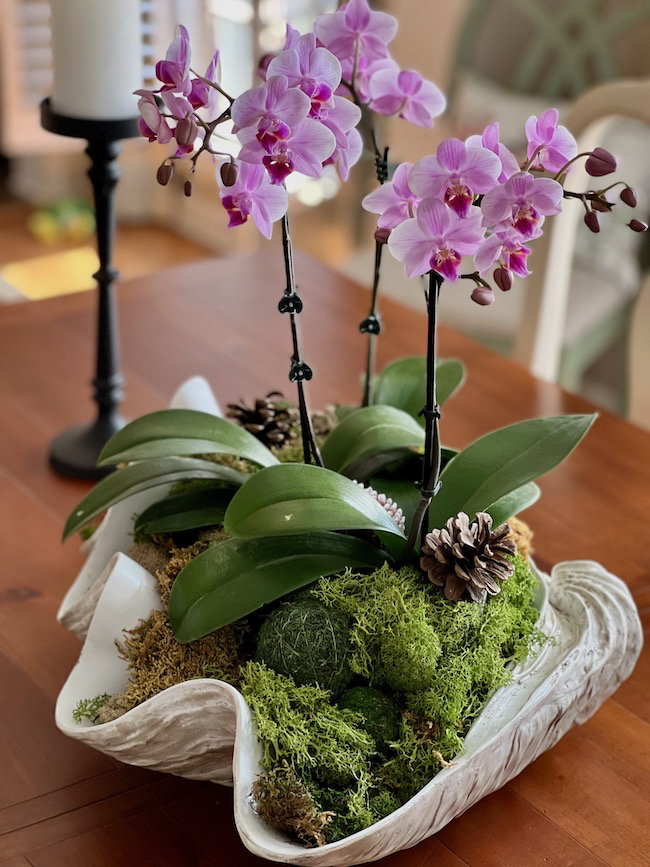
{"x": 283, "y": 801}
{"x": 150, "y": 556}
{"x": 381, "y": 714}
{"x": 156, "y": 660}
{"x": 179, "y": 557}
{"x": 89, "y": 708}
{"x": 299, "y": 725}
{"x": 308, "y": 642}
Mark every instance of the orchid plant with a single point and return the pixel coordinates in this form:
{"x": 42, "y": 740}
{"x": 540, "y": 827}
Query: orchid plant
{"x": 289, "y": 523}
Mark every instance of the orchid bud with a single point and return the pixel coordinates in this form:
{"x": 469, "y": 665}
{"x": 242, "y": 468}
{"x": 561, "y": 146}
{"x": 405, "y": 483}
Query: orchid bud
{"x": 503, "y": 279}
{"x": 591, "y": 222}
{"x": 229, "y": 173}
{"x": 600, "y": 162}
{"x": 187, "y": 188}
{"x": 638, "y": 226}
{"x": 382, "y": 235}
{"x": 601, "y": 205}
{"x": 186, "y": 132}
{"x": 483, "y": 295}
{"x": 628, "y": 196}
{"x": 164, "y": 174}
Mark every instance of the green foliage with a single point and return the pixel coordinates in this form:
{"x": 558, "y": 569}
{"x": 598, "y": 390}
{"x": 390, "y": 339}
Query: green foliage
{"x": 381, "y": 713}
{"x": 190, "y": 510}
{"x": 238, "y": 576}
{"x": 299, "y": 724}
{"x": 394, "y": 640}
{"x": 402, "y": 384}
{"x": 503, "y": 461}
{"x": 174, "y": 432}
{"x": 300, "y": 498}
{"x": 88, "y": 708}
{"x": 307, "y": 642}
{"x": 141, "y": 477}
{"x": 513, "y": 503}
{"x": 371, "y": 438}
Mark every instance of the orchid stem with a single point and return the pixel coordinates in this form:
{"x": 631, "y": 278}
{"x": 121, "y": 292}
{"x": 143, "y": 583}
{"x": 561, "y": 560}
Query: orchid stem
{"x": 371, "y": 326}
{"x": 300, "y": 372}
{"x": 430, "y": 484}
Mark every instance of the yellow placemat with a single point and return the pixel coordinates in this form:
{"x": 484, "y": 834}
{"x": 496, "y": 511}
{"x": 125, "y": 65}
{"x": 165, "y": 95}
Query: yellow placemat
{"x": 54, "y": 274}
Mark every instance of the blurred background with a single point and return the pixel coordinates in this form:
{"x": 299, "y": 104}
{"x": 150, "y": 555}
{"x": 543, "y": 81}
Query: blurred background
{"x": 495, "y": 59}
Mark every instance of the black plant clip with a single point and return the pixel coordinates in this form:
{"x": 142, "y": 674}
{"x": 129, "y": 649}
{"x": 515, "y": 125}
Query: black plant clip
{"x": 300, "y": 371}
{"x": 290, "y": 303}
{"x": 370, "y": 325}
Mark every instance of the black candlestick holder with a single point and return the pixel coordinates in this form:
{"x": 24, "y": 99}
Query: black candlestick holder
{"x": 75, "y": 452}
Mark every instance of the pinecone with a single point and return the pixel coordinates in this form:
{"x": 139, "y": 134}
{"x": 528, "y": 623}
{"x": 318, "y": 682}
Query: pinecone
{"x": 272, "y": 422}
{"x": 463, "y": 556}
{"x": 388, "y": 505}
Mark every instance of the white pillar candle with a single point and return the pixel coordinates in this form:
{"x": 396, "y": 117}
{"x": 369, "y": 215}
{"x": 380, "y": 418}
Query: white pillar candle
{"x": 97, "y": 58}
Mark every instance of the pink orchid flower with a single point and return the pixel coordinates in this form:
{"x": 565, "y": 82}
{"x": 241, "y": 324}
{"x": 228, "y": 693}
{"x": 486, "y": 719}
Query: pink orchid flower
{"x": 201, "y": 94}
{"x": 456, "y": 174}
{"x": 305, "y": 150}
{"x": 490, "y": 139}
{"x": 435, "y": 239}
{"x": 252, "y": 195}
{"x": 313, "y": 69}
{"x": 406, "y": 94}
{"x": 505, "y": 247}
{"x": 152, "y": 124}
{"x": 274, "y": 107}
{"x": 341, "y": 120}
{"x": 174, "y": 70}
{"x": 355, "y": 27}
{"x": 366, "y": 69}
{"x": 522, "y": 202}
{"x": 394, "y": 201}
{"x": 556, "y": 144}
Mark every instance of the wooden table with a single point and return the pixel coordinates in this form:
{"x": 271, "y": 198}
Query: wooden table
{"x": 586, "y": 802}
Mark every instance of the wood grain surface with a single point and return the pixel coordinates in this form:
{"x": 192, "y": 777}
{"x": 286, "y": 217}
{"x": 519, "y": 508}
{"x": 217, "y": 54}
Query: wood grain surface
{"x": 585, "y": 802}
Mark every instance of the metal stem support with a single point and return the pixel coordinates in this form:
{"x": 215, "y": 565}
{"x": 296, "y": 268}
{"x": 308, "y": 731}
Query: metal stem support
{"x": 74, "y": 452}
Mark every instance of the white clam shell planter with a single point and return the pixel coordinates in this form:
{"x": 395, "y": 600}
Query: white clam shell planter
{"x": 202, "y": 729}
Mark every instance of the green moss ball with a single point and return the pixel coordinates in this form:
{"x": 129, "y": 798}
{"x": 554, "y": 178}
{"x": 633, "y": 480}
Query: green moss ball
{"x": 409, "y": 657}
{"x": 381, "y": 714}
{"x": 308, "y": 642}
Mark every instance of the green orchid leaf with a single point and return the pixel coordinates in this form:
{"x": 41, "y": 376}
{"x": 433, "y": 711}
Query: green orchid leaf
{"x": 174, "y": 432}
{"x": 513, "y": 503}
{"x": 300, "y": 498}
{"x": 503, "y": 461}
{"x": 238, "y": 576}
{"x": 140, "y": 477}
{"x": 370, "y": 438}
{"x": 402, "y": 384}
{"x": 189, "y": 511}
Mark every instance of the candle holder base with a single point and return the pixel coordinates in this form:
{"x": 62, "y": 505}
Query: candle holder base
{"x": 74, "y": 452}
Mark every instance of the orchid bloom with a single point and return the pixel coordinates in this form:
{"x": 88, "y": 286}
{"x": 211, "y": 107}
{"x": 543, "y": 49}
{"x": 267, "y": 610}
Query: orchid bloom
{"x": 394, "y": 201}
{"x": 406, "y": 94}
{"x": 152, "y": 124}
{"x": 522, "y": 202}
{"x": 552, "y": 146}
{"x": 490, "y": 139}
{"x": 305, "y": 150}
{"x": 313, "y": 69}
{"x": 356, "y": 28}
{"x": 253, "y": 195}
{"x": 202, "y": 95}
{"x": 274, "y": 107}
{"x": 505, "y": 247}
{"x": 456, "y": 174}
{"x": 364, "y": 72}
{"x": 174, "y": 70}
{"x": 341, "y": 120}
{"x": 435, "y": 239}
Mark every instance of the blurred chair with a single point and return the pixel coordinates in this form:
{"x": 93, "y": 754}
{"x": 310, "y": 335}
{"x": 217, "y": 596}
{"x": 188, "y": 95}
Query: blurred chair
{"x": 540, "y": 338}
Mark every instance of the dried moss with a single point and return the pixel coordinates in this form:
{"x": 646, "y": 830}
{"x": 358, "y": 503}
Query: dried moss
{"x": 179, "y": 557}
{"x": 522, "y": 535}
{"x": 283, "y": 801}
